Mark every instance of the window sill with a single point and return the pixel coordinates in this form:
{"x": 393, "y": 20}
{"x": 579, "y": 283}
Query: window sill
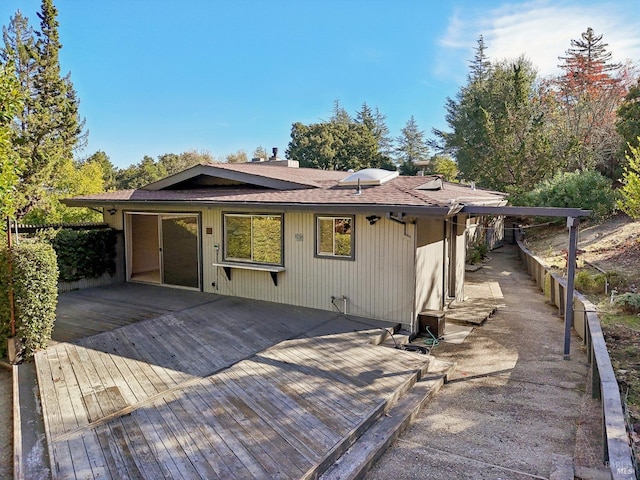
{"x": 273, "y": 270}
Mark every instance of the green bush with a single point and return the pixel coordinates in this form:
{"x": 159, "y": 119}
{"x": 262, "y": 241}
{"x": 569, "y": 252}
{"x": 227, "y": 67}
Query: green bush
{"x": 628, "y": 302}
{"x": 35, "y": 287}
{"x": 586, "y": 189}
{"x": 477, "y": 253}
{"x": 586, "y": 282}
{"x": 83, "y": 253}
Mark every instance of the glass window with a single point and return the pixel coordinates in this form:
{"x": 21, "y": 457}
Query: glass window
{"x": 334, "y": 237}
{"x": 253, "y": 238}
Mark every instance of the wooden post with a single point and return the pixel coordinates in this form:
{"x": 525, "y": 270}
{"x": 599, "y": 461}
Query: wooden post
{"x": 572, "y": 223}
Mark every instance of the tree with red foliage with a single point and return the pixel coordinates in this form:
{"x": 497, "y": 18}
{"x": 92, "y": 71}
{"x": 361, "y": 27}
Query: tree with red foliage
{"x": 582, "y": 103}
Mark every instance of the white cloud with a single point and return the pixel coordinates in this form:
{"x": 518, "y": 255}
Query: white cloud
{"x": 540, "y": 30}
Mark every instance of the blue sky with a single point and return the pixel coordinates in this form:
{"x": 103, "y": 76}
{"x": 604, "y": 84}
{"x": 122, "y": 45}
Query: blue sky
{"x": 162, "y": 76}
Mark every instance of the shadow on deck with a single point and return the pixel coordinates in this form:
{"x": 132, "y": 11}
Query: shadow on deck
{"x": 148, "y": 382}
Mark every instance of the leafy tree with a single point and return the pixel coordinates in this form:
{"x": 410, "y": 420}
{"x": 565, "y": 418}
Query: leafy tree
{"x": 10, "y": 164}
{"x": 411, "y": 148}
{"x": 172, "y": 163}
{"x": 630, "y": 191}
{"x": 445, "y": 166}
{"x": 239, "y": 157}
{"x": 74, "y": 178}
{"x": 49, "y": 129}
{"x": 260, "y": 152}
{"x": 583, "y": 101}
{"x": 148, "y": 170}
{"x": 143, "y": 173}
{"x": 628, "y": 119}
{"x": 333, "y": 146}
{"x": 109, "y": 171}
{"x": 586, "y": 189}
{"x": 193, "y": 157}
{"x": 498, "y": 132}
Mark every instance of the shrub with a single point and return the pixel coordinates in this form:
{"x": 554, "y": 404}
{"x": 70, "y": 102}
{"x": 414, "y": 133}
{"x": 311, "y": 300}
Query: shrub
{"x": 83, "y": 253}
{"x": 630, "y": 192}
{"x": 35, "y": 287}
{"x": 586, "y": 189}
{"x": 628, "y": 302}
{"x": 477, "y": 253}
{"x": 585, "y": 282}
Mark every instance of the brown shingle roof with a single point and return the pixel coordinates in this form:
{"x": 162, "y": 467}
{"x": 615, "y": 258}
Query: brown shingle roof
{"x": 323, "y": 190}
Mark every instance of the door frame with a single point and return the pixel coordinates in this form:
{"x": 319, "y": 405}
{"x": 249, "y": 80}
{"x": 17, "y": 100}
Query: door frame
{"x": 160, "y": 215}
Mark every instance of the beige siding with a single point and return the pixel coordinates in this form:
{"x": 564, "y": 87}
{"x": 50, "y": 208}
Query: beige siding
{"x": 430, "y": 267}
{"x": 378, "y": 284}
{"x": 461, "y": 257}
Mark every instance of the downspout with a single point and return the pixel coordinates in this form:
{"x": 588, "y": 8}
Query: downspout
{"x": 415, "y": 328}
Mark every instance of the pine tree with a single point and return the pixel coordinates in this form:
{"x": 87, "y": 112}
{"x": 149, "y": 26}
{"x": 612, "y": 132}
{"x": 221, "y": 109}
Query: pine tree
{"x": 411, "y": 148}
{"x": 10, "y": 166}
{"x": 480, "y": 65}
{"x": 340, "y": 115}
{"x": 628, "y": 119}
{"x": 584, "y": 100}
{"x": 588, "y": 64}
{"x": 49, "y": 129}
{"x": 375, "y": 122}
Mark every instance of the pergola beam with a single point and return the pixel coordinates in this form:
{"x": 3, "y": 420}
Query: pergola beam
{"x": 526, "y": 211}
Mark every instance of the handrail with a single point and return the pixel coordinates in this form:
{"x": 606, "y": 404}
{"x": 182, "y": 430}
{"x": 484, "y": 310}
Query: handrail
{"x": 616, "y": 448}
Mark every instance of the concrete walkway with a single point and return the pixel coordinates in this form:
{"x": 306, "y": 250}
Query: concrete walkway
{"x": 513, "y": 409}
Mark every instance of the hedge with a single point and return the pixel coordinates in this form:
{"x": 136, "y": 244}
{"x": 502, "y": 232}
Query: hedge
{"x": 35, "y": 286}
{"x": 83, "y": 253}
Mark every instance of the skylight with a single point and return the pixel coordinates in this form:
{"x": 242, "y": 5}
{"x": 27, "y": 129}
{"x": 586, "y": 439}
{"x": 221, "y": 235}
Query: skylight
{"x": 368, "y": 176}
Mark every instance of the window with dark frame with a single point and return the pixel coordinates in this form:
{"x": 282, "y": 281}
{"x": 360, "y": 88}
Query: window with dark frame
{"x": 253, "y": 238}
{"x": 335, "y": 236}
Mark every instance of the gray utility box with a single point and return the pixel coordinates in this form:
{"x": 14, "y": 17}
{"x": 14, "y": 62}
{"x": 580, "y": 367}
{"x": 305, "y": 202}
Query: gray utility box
{"x": 434, "y": 319}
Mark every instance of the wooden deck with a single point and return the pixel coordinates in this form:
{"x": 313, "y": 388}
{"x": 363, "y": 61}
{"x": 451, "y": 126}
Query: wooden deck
{"x": 213, "y": 387}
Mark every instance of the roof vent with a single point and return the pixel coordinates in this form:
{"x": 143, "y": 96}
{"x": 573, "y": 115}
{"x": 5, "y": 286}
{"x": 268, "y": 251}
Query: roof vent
{"x": 368, "y": 176}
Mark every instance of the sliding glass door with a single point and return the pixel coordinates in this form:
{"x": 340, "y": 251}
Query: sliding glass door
{"x": 163, "y": 249}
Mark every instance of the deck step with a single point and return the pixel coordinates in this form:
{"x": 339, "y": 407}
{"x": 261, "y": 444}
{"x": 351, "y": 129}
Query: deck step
{"x": 360, "y": 457}
{"x": 378, "y": 336}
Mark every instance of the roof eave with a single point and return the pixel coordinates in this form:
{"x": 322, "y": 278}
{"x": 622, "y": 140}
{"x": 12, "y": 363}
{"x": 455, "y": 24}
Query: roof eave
{"x": 412, "y": 210}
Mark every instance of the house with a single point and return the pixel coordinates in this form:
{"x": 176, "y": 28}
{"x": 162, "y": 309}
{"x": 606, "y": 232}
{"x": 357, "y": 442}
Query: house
{"x": 369, "y": 243}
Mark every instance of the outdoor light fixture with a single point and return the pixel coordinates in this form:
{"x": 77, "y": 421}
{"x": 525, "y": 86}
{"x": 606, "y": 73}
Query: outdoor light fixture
{"x": 112, "y": 211}
{"x": 372, "y": 219}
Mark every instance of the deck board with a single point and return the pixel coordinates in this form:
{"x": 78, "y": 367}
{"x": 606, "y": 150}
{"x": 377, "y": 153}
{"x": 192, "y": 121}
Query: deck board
{"x": 202, "y": 388}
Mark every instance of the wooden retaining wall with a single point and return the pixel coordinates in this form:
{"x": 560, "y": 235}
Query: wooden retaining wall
{"x": 616, "y": 449}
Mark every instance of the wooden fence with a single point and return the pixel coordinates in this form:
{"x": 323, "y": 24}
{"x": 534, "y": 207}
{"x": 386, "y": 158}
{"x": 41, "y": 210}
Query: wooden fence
{"x": 616, "y": 448}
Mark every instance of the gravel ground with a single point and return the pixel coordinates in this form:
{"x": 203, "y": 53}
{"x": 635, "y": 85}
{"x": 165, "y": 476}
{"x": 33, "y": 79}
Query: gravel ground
{"x": 6, "y": 426}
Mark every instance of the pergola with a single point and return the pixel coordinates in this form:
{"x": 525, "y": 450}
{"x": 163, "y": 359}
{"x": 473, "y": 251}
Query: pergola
{"x": 573, "y": 216}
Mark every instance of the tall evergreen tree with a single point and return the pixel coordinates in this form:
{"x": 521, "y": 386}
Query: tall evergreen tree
{"x": 411, "y": 147}
{"x": 339, "y": 114}
{"x": 498, "y": 132}
{"x": 376, "y": 123}
{"x": 480, "y": 65}
{"x": 582, "y": 103}
{"x": 49, "y": 129}
{"x": 10, "y": 165}
{"x": 628, "y": 119}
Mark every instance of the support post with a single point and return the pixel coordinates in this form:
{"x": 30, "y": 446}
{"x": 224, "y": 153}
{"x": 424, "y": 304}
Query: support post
{"x": 573, "y": 224}
{"x": 12, "y": 317}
